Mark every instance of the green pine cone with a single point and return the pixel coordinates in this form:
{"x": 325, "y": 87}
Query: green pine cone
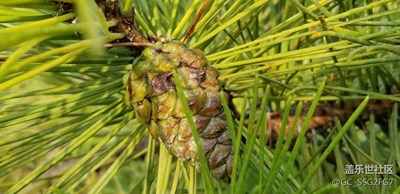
{"x": 150, "y": 90}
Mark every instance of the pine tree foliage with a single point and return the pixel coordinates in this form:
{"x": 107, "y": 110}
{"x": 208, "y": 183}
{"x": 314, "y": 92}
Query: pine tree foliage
{"x": 65, "y": 128}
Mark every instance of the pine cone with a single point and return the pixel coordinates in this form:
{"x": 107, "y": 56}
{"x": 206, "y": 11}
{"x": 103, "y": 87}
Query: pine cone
{"x": 151, "y": 91}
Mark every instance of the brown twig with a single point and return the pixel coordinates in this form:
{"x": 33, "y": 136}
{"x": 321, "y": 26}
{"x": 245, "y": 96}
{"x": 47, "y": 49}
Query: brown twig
{"x": 324, "y": 115}
{"x": 136, "y": 44}
{"x": 125, "y": 22}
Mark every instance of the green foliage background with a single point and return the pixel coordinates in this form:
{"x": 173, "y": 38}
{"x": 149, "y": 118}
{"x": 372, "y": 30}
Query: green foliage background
{"x": 64, "y": 127}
